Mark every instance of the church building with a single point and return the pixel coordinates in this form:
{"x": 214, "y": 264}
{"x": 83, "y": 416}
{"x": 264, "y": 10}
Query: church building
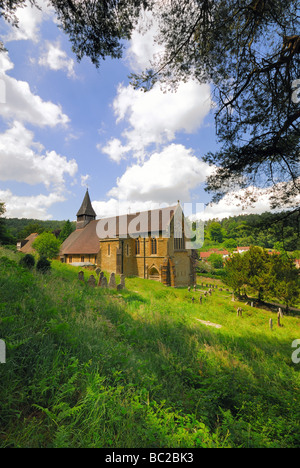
{"x": 149, "y": 244}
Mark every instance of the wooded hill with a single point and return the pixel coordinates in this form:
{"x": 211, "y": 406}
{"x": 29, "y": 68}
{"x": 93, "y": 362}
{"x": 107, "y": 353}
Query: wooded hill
{"x": 279, "y": 231}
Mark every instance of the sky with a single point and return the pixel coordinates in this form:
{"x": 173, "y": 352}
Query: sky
{"x": 67, "y": 126}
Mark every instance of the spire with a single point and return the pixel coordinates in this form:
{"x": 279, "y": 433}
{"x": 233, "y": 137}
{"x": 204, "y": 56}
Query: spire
{"x": 86, "y": 212}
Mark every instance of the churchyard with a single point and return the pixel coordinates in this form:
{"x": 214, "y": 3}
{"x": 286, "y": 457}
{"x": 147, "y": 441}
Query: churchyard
{"x": 141, "y": 365}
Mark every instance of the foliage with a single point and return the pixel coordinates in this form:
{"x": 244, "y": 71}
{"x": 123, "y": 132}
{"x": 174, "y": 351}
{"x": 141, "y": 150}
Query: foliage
{"x": 27, "y": 261}
{"x": 216, "y": 260}
{"x": 269, "y": 275}
{"x": 215, "y": 232}
{"x": 67, "y": 229}
{"x": 43, "y": 265}
{"x": 284, "y": 280}
{"x": 250, "y": 54}
{"x": 269, "y": 230}
{"x": 47, "y": 245}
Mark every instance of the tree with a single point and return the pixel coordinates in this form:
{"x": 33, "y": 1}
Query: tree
{"x": 256, "y": 263}
{"x": 234, "y": 273}
{"x": 215, "y": 232}
{"x": 5, "y": 236}
{"x": 216, "y": 260}
{"x": 96, "y": 29}
{"x": 47, "y": 245}
{"x": 249, "y": 52}
{"x": 67, "y": 229}
{"x": 285, "y": 283}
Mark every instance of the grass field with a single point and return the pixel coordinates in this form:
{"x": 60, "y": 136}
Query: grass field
{"x": 97, "y": 368}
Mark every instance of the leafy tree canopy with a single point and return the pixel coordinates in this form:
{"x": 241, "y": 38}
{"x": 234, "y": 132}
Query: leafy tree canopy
{"x": 47, "y": 245}
{"x": 248, "y": 51}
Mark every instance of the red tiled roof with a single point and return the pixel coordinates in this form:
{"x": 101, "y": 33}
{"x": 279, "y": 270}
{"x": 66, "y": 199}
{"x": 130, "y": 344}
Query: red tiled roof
{"x": 213, "y": 251}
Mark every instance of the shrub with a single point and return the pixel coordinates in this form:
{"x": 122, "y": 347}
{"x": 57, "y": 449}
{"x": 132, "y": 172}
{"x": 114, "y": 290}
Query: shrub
{"x": 43, "y": 265}
{"x": 27, "y": 262}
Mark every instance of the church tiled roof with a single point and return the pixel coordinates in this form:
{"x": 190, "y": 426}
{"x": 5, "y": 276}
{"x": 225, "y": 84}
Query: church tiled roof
{"x": 86, "y": 240}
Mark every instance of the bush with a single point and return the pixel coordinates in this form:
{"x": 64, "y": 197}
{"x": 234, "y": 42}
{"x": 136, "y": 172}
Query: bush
{"x": 43, "y": 265}
{"x": 27, "y": 262}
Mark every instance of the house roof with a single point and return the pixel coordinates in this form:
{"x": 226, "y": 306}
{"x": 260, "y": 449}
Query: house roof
{"x": 213, "y": 251}
{"x": 86, "y": 240}
{"x": 27, "y": 247}
{"x": 86, "y": 207}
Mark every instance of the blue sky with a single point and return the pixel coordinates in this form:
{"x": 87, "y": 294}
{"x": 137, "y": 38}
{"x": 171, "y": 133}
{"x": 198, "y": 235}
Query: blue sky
{"x": 66, "y": 125}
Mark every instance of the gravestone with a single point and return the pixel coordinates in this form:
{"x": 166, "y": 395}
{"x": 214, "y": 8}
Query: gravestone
{"x": 200, "y": 299}
{"x": 81, "y": 276}
{"x": 112, "y": 282}
{"x": 120, "y": 287}
{"x": 92, "y": 281}
{"x": 239, "y": 311}
{"x": 122, "y": 280}
{"x": 271, "y": 324}
{"x": 98, "y": 271}
{"x": 100, "y": 278}
{"x": 104, "y": 282}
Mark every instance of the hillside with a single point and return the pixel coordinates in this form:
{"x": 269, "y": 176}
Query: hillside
{"x": 137, "y": 368}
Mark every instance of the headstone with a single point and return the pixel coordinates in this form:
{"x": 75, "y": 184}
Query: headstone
{"x": 200, "y": 299}
{"x": 189, "y": 288}
{"x": 100, "y": 278}
{"x": 278, "y": 319}
{"x": 92, "y": 281}
{"x": 280, "y": 312}
{"x": 112, "y": 282}
{"x": 122, "y": 280}
{"x": 193, "y": 300}
{"x": 210, "y": 292}
{"x": 252, "y": 304}
{"x": 239, "y": 311}
{"x": 81, "y": 276}
{"x": 120, "y": 287}
{"x": 104, "y": 282}
{"x": 271, "y": 324}
{"x": 98, "y": 271}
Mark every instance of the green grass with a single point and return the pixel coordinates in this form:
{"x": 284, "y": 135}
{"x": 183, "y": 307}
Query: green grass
{"x": 97, "y": 368}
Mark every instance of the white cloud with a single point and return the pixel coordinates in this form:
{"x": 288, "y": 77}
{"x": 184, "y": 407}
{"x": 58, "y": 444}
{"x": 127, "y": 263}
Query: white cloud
{"x": 142, "y": 47}
{"x": 30, "y": 18}
{"x": 35, "y": 207}
{"x": 21, "y": 104}
{"x": 21, "y": 160}
{"x": 57, "y": 59}
{"x": 156, "y": 116}
{"x": 115, "y": 150}
{"x": 163, "y": 179}
{"x": 239, "y": 203}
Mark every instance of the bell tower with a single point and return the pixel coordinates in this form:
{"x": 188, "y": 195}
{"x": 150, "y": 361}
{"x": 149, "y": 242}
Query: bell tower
{"x": 86, "y": 212}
